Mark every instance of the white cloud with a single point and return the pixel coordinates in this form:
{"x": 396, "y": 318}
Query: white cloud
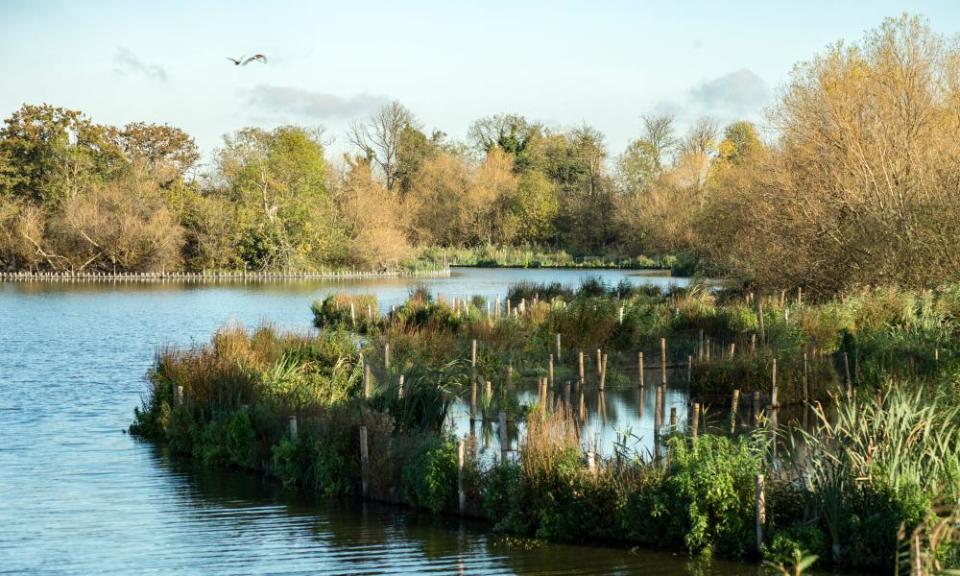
{"x": 737, "y": 93}
{"x": 291, "y": 101}
{"x": 126, "y": 63}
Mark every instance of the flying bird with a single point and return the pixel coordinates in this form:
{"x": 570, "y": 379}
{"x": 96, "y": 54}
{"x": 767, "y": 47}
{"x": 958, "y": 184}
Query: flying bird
{"x": 244, "y": 61}
{"x": 255, "y": 58}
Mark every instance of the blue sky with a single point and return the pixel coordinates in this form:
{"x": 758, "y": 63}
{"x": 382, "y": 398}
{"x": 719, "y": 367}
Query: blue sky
{"x": 562, "y": 62}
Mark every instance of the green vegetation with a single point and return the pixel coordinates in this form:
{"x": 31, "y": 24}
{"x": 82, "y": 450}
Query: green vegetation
{"x": 880, "y": 462}
{"x": 862, "y": 196}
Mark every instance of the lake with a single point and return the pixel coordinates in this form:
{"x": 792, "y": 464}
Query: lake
{"x": 79, "y": 496}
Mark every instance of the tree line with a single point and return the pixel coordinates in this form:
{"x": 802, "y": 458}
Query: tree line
{"x": 857, "y": 182}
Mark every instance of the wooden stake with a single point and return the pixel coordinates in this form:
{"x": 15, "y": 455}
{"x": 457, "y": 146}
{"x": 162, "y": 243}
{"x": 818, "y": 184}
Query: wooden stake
{"x": 292, "y": 421}
{"x": 473, "y": 353}
{"x": 696, "y": 419}
{"x": 663, "y": 361}
{"x": 386, "y": 355}
{"x": 773, "y": 386}
{"x": 806, "y": 379}
{"x": 559, "y": 358}
{"x": 603, "y": 372}
{"x": 400, "y": 388}
{"x": 761, "y": 513}
{"x": 364, "y": 461}
{"x": 581, "y": 370}
{"x": 550, "y": 369}
{"x": 461, "y": 492}
{"x": 640, "y": 368}
{"x": 734, "y": 407}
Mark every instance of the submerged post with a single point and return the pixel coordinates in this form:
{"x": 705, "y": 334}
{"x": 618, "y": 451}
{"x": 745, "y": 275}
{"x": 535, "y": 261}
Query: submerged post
{"x": 364, "y": 461}
{"x": 582, "y": 372}
{"x": 400, "y": 388}
{"x": 603, "y": 372}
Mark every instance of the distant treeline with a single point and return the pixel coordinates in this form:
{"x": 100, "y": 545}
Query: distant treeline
{"x": 856, "y": 184}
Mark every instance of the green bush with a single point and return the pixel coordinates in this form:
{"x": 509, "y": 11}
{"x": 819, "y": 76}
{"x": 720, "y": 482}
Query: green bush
{"x": 430, "y": 478}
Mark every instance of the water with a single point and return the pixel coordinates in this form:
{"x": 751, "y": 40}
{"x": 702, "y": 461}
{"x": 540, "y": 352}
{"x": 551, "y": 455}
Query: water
{"x": 78, "y": 496}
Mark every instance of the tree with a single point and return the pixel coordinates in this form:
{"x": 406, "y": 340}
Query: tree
{"x": 510, "y": 133}
{"x": 169, "y": 152}
{"x": 382, "y": 136}
{"x": 278, "y": 180}
{"x": 373, "y": 218}
{"x": 51, "y": 153}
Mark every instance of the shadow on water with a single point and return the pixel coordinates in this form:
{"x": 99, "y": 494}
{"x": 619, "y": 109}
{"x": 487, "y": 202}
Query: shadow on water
{"x": 357, "y": 538}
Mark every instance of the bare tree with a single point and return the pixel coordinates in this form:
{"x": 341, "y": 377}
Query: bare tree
{"x": 379, "y": 138}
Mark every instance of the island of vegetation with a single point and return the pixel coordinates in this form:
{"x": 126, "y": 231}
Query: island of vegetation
{"x": 837, "y": 238}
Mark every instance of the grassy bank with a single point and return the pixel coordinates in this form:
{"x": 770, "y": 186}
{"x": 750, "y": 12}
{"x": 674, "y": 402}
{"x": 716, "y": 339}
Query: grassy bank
{"x": 298, "y": 406}
{"x": 490, "y": 256}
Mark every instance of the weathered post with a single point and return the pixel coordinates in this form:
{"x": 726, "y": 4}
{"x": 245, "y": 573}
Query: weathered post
{"x": 761, "y": 513}
{"x": 846, "y": 369}
{"x": 696, "y": 419}
{"x": 473, "y": 353}
{"x": 550, "y": 369}
{"x": 763, "y": 332}
{"x": 582, "y": 373}
{"x": 700, "y": 347}
{"x": 353, "y": 316}
{"x": 689, "y": 369}
{"x": 461, "y": 492}
{"x": 673, "y": 416}
{"x": 806, "y": 378}
{"x": 364, "y": 461}
{"x": 734, "y": 406}
{"x": 386, "y": 355}
{"x": 773, "y": 386}
{"x": 400, "y": 388}
{"x": 621, "y": 314}
{"x": 591, "y": 461}
{"x": 640, "y": 368}
{"x": 366, "y": 380}
{"x": 292, "y": 424}
{"x": 663, "y": 361}
{"x": 178, "y": 396}
{"x": 599, "y": 363}
{"x": 559, "y": 358}
{"x": 504, "y": 439}
{"x": 603, "y": 372}
{"x": 473, "y": 400}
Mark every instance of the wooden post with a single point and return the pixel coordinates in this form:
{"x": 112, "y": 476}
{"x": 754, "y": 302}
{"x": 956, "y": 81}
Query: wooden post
{"x": 504, "y": 439}
{"x": 386, "y": 355}
{"x": 756, "y": 407}
{"x": 489, "y": 390}
{"x": 364, "y": 461}
{"x": 559, "y": 359}
{"x": 550, "y": 369}
{"x": 753, "y": 343}
{"x": 353, "y": 315}
{"x": 673, "y": 416}
{"x": 178, "y": 396}
{"x": 806, "y": 379}
{"x": 400, "y": 388}
{"x": 473, "y": 353}
{"x": 846, "y": 368}
{"x": 763, "y": 332}
{"x": 581, "y": 373}
{"x": 366, "y": 380}
{"x": 621, "y": 315}
{"x": 689, "y": 369}
{"x": 591, "y": 461}
{"x": 761, "y": 513}
{"x": 292, "y": 421}
{"x": 599, "y": 363}
{"x": 461, "y": 492}
{"x": 603, "y": 372}
{"x": 700, "y": 347}
{"x": 640, "y": 368}
{"x": 799, "y": 295}
{"x": 658, "y": 409}
{"x": 708, "y": 359}
{"x": 663, "y": 361}
{"x": 473, "y": 400}
{"x": 696, "y": 419}
{"x": 734, "y": 407}
{"x": 773, "y": 386}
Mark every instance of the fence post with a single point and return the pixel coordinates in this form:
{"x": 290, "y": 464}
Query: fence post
{"x": 559, "y": 359}
{"x": 178, "y": 396}
{"x": 603, "y": 372}
{"x": 400, "y": 389}
{"x": 663, "y": 361}
{"x": 734, "y": 404}
{"x": 773, "y": 386}
{"x": 550, "y": 369}
{"x": 473, "y": 353}
{"x": 461, "y": 493}
{"x": 761, "y": 513}
{"x": 504, "y": 440}
{"x": 386, "y": 355}
{"x": 293, "y": 427}
{"x": 640, "y": 368}
{"x": 696, "y": 419}
{"x": 581, "y": 370}
{"x": 364, "y": 461}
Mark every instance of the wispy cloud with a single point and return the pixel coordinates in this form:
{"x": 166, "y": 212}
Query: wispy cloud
{"x": 737, "y": 93}
{"x": 126, "y": 63}
{"x": 284, "y": 101}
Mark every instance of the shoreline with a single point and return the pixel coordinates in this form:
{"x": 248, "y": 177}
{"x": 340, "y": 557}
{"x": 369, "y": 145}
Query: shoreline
{"x": 216, "y": 276}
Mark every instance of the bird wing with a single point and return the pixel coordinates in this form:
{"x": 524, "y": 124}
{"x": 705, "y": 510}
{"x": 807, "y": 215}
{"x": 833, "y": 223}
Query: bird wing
{"x": 255, "y": 57}
{"x": 235, "y": 61}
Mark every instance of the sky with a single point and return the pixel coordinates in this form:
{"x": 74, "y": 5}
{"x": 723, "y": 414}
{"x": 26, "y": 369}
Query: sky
{"x": 564, "y": 63}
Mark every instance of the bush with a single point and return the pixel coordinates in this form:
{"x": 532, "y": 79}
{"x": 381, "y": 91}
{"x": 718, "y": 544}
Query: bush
{"x": 430, "y": 478}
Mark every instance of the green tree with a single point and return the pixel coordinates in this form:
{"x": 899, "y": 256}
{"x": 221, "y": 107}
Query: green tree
{"x": 278, "y": 181}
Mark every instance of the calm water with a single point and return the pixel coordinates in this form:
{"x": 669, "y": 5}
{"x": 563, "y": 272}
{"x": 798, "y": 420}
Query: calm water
{"x": 78, "y": 496}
